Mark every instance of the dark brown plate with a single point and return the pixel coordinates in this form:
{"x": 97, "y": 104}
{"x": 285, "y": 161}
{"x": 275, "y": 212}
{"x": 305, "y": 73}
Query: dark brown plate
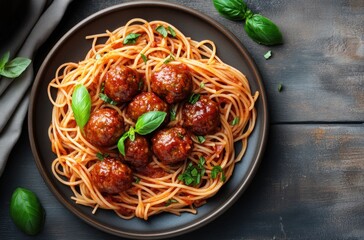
{"x": 73, "y": 47}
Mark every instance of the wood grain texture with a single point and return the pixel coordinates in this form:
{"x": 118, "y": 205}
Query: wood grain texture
{"x": 310, "y": 185}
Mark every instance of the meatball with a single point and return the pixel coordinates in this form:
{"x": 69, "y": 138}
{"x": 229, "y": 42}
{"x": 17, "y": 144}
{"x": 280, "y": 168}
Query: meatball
{"x": 104, "y": 128}
{"x": 145, "y": 102}
{"x": 122, "y": 83}
{"x": 173, "y": 83}
{"x": 202, "y": 117}
{"x": 172, "y": 145}
{"x": 111, "y": 176}
{"x": 137, "y": 152}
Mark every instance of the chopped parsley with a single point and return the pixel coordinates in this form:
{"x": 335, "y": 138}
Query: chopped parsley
{"x": 235, "y": 121}
{"x": 170, "y": 201}
{"x": 268, "y": 55}
{"x": 101, "y": 156}
{"x": 106, "y": 99}
{"x": 136, "y": 179}
{"x": 194, "y": 98}
{"x": 215, "y": 172}
{"x": 202, "y": 85}
{"x": 145, "y": 59}
{"x": 280, "y": 87}
{"x": 169, "y": 59}
{"x": 193, "y": 173}
{"x": 173, "y": 114}
{"x": 201, "y": 139}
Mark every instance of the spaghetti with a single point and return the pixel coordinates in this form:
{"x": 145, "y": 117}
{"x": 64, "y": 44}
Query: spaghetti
{"x": 150, "y": 195}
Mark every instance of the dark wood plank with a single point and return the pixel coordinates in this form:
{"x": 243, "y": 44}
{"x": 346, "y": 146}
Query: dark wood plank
{"x": 310, "y": 185}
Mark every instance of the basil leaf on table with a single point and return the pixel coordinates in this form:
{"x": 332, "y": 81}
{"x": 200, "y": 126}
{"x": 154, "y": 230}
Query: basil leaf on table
{"x": 81, "y": 105}
{"x": 263, "y": 30}
{"x": 146, "y": 123}
{"x": 13, "y": 68}
{"x": 231, "y": 9}
{"x": 26, "y": 211}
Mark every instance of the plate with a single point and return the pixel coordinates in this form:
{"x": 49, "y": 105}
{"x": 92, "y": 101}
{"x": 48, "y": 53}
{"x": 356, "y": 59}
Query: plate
{"x": 73, "y": 47}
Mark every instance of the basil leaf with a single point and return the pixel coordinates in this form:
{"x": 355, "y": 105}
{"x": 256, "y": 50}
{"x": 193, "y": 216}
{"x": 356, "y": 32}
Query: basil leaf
{"x": 81, "y": 105}
{"x": 149, "y": 121}
{"x": 145, "y": 59}
{"x": 231, "y": 9}
{"x": 4, "y": 59}
{"x": 121, "y": 144}
{"x": 15, "y": 67}
{"x": 262, "y": 30}
{"x": 131, "y": 133}
{"x": 26, "y": 211}
{"x": 171, "y": 31}
{"x": 162, "y": 30}
{"x": 131, "y": 38}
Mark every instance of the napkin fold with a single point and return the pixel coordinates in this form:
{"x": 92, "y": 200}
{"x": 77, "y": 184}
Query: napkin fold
{"x": 14, "y": 98}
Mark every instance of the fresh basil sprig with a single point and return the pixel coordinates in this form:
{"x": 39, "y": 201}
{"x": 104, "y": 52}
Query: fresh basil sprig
{"x": 146, "y": 123}
{"x": 81, "y": 105}
{"x": 13, "y": 68}
{"x": 26, "y": 211}
{"x": 259, "y": 28}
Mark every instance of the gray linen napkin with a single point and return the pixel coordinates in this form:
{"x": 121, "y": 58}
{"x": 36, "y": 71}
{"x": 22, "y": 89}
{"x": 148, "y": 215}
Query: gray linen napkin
{"x": 23, "y": 21}
{"x": 14, "y": 100}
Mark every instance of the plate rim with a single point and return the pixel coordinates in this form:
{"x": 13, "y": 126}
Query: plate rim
{"x": 260, "y": 149}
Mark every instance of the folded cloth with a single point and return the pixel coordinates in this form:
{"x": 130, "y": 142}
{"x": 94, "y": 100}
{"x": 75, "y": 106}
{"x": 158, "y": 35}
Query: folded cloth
{"x": 14, "y": 100}
{"x": 22, "y": 20}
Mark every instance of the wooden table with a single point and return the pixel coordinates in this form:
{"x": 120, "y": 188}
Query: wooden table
{"x": 310, "y": 184}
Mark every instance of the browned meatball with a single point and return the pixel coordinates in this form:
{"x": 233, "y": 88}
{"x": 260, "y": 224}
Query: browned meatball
{"x": 111, "y": 176}
{"x": 172, "y": 145}
{"x": 137, "y": 153}
{"x": 104, "y": 128}
{"x": 122, "y": 83}
{"x": 202, "y": 117}
{"x": 145, "y": 102}
{"x": 173, "y": 83}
